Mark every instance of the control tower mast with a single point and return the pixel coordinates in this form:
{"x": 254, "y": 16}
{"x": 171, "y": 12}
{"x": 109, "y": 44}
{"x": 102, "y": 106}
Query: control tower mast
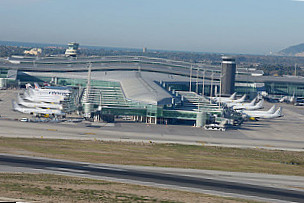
{"x": 72, "y": 50}
{"x": 228, "y": 75}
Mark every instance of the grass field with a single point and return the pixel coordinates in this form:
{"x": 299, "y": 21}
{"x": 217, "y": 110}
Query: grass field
{"x": 164, "y": 155}
{"x": 55, "y": 188}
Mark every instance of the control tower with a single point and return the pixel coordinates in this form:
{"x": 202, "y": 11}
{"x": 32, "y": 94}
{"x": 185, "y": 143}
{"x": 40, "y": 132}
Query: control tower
{"x": 72, "y": 50}
{"x": 228, "y": 75}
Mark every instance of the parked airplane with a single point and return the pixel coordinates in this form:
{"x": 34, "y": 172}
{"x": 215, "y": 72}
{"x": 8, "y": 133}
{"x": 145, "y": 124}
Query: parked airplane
{"x": 240, "y": 106}
{"x": 288, "y": 99}
{"x": 271, "y": 110}
{"x": 252, "y": 103}
{"x": 263, "y": 115}
{"x": 223, "y": 99}
{"x": 46, "y": 92}
{"x": 53, "y": 88}
{"x": 34, "y": 96}
{"x": 39, "y": 105}
{"x": 227, "y": 101}
{"x": 37, "y": 111}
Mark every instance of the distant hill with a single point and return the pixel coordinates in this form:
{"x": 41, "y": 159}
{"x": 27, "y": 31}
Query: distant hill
{"x": 296, "y": 50}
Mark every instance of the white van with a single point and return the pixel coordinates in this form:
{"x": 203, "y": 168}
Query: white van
{"x": 24, "y": 120}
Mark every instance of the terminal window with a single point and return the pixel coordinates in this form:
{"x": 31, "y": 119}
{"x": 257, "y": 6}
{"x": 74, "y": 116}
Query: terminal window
{"x": 281, "y": 86}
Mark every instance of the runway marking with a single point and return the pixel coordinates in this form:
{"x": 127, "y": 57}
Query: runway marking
{"x": 90, "y": 133}
{"x": 65, "y": 170}
{"x": 106, "y": 168}
{"x": 51, "y": 129}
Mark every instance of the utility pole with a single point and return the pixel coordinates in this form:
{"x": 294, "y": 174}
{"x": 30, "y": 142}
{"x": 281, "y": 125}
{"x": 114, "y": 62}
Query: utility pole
{"x": 295, "y": 69}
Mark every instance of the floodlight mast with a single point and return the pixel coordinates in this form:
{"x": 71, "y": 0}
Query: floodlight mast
{"x": 88, "y": 89}
{"x": 211, "y": 88}
{"x": 196, "y": 88}
{"x": 190, "y": 85}
{"x": 203, "y": 88}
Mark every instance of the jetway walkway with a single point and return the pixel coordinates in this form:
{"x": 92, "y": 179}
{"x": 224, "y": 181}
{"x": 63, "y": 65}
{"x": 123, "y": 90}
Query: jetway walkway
{"x": 191, "y": 100}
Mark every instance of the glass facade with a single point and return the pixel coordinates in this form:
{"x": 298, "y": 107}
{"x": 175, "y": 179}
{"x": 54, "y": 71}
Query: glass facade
{"x": 286, "y": 89}
{"x": 110, "y": 95}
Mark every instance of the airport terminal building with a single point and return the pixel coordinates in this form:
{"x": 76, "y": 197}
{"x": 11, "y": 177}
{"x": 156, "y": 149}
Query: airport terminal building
{"x": 151, "y": 90}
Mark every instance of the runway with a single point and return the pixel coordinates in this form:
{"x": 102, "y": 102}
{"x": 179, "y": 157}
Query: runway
{"x": 170, "y": 180}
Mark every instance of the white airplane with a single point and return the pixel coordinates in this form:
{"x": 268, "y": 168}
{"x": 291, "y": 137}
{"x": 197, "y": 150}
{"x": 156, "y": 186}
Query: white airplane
{"x": 270, "y": 111}
{"x": 288, "y": 99}
{"x": 53, "y": 92}
{"x": 34, "y": 96}
{"x": 28, "y": 85}
{"x": 259, "y": 105}
{"x": 57, "y": 89}
{"x": 228, "y": 100}
{"x": 37, "y": 111}
{"x": 254, "y": 116}
{"x": 38, "y": 105}
{"x": 224, "y": 99}
{"x": 232, "y": 104}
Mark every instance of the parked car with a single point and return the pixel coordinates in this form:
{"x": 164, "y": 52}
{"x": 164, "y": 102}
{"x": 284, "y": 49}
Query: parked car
{"x": 24, "y": 120}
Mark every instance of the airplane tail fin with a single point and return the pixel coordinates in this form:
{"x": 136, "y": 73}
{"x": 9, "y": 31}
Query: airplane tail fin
{"x": 16, "y": 107}
{"x": 232, "y": 97}
{"x": 278, "y": 112}
{"x": 31, "y": 93}
{"x": 260, "y": 104}
{"x": 36, "y": 85}
{"x": 27, "y": 96}
{"x": 242, "y": 99}
{"x": 272, "y": 109}
{"x": 19, "y": 99}
{"x": 28, "y": 85}
{"x": 253, "y": 102}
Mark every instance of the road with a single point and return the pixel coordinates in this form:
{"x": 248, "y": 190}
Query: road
{"x": 254, "y": 136}
{"x": 165, "y": 178}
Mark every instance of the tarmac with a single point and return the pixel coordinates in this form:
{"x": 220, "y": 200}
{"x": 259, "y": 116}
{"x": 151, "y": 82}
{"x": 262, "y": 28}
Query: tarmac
{"x": 285, "y": 133}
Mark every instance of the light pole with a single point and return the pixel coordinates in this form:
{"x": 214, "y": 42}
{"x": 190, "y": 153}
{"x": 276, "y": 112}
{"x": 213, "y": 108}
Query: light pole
{"x": 88, "y": 89}
{"x": 196, "y": 89}
{"x": 220, "y": 94}
{"x": 221, "y": 77}
{"x": 211, "y": 88}
{"x": 190, "y": 79}
{"x": 203, "y": 88}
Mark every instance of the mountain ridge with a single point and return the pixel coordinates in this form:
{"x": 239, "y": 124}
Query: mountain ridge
{"x": 295, "y": 50}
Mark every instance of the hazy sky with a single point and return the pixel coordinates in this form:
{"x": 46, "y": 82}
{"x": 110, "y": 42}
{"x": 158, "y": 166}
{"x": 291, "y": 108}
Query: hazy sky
{"x": 230, "y": 26}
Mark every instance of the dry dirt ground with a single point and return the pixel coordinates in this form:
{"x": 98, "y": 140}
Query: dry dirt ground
{"x": 162, "y": 155}
{"x": 55, "y": 188}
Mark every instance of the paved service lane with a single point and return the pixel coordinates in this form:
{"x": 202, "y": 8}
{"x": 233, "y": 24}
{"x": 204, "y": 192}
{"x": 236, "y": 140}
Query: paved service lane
{"x": 154, "y": 177}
